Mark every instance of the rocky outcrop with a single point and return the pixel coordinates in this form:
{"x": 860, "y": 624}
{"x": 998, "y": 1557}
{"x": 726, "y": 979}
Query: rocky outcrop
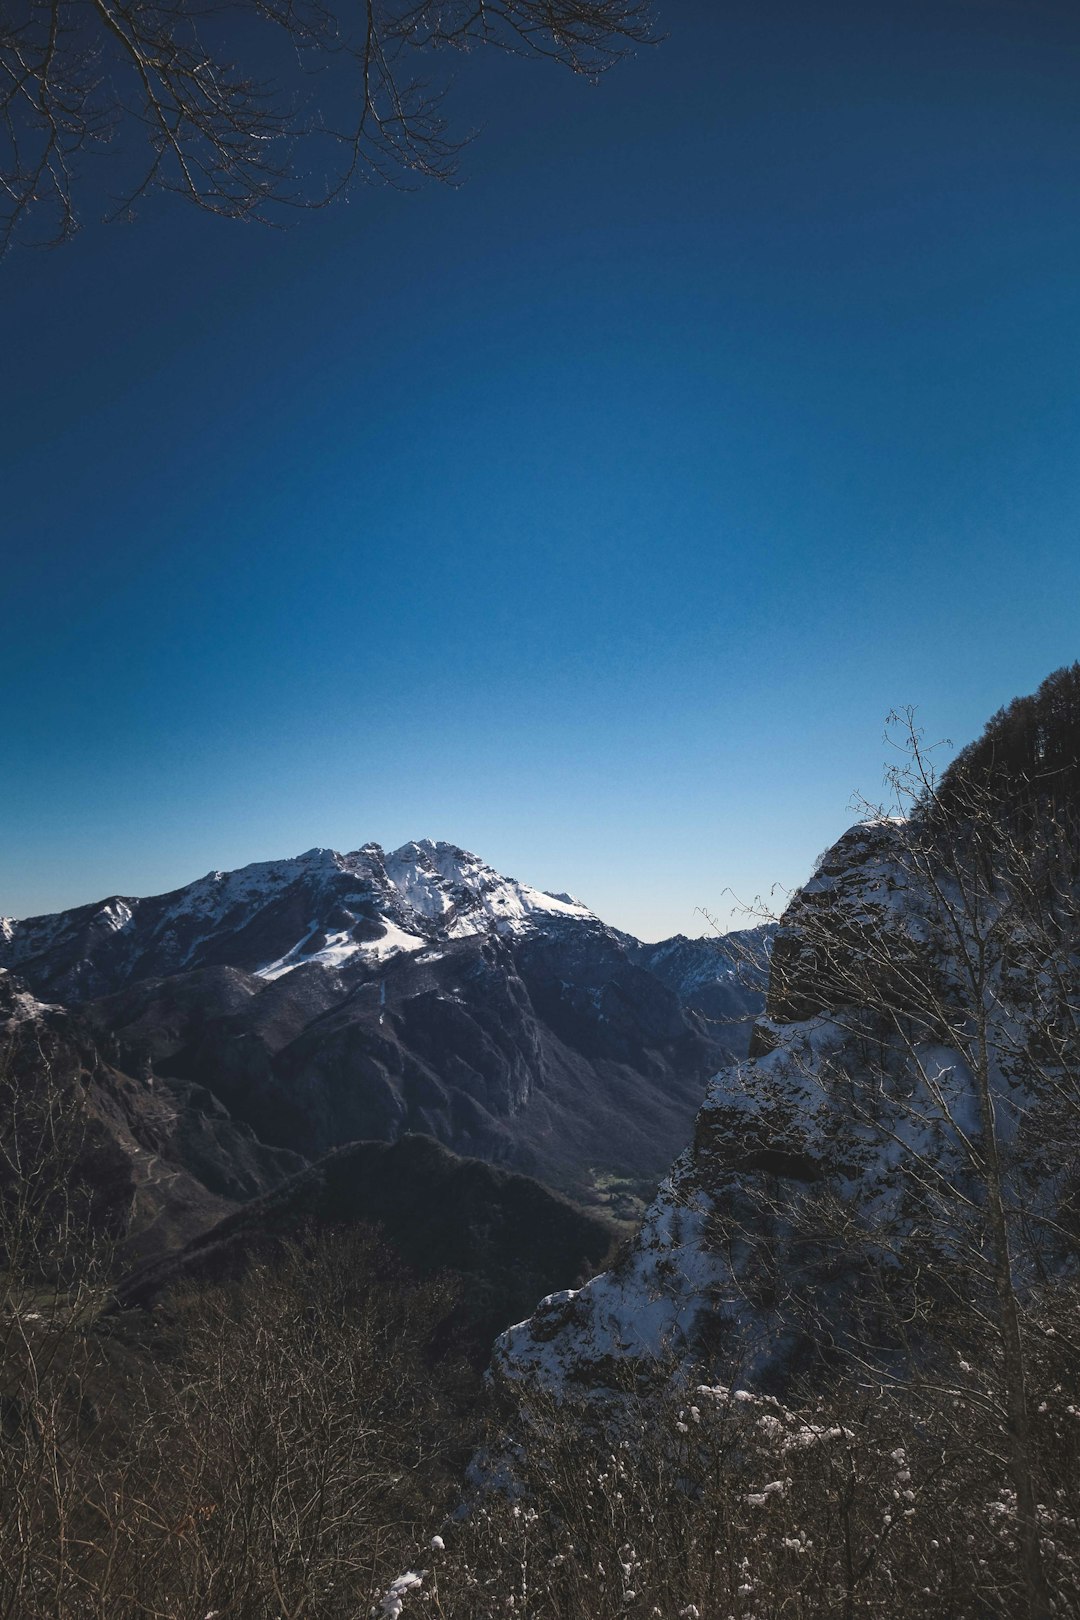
{"x": 832, "y": 1195}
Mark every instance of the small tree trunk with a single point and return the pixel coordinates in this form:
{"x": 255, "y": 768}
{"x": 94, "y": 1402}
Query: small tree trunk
{"x": 1035, "y": 1600}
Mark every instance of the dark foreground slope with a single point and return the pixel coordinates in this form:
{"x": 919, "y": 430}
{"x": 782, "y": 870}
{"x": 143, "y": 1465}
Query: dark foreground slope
{"x": 509, "y": 1239}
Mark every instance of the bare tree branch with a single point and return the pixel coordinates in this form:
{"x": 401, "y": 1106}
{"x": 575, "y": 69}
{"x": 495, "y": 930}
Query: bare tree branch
{"x": 248, "y": 107}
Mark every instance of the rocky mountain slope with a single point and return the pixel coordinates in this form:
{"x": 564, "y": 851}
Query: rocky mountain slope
{"x": 154, "y": 1161}
{"x": 691, "y": 1286}
{"x": 320, "y": 1000}
{"x": 507, "y": 1237}
{"x": 835, "y": 1194}
{"x": 273, "y": 917}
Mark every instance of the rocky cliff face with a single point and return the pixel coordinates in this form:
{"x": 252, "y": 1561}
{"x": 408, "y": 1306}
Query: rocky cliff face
{"x": 834, "y": 1185}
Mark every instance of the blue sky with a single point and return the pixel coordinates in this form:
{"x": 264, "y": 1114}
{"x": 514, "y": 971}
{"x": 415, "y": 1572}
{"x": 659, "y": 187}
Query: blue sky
{"x": 592, "y": 514}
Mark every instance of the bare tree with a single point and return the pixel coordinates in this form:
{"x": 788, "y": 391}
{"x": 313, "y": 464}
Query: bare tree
{"x": 710, "y": 1500}
{"x": 924, "y": 1015}
{"x": 297, "y": 1431}
{"x": 253, "y": 1449}
{"x": 58, "y": 1235}
{"x": 247, "y": 106}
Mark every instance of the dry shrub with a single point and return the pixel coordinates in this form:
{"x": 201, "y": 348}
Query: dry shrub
{"x": 282, "y": 1433}
{"x": 722, "y": 1504}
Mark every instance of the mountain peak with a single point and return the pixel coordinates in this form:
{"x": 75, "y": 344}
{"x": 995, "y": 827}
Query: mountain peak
{"x": 272, "y": 917}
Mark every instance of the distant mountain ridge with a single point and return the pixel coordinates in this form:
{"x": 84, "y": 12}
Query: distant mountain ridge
{"x": 331, "y": 998}
{"x": 272, "y": 917}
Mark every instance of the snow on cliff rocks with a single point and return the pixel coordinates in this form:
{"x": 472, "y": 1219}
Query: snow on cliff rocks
{"x": 837, "y": 1152}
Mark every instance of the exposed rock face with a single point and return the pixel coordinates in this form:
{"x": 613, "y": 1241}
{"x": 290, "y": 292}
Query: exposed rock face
{"x": 336, "y": 997}
{"x": 834, "y": 1176}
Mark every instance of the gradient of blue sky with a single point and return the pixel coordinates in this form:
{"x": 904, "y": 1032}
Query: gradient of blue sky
{"x": 591, "y": 515}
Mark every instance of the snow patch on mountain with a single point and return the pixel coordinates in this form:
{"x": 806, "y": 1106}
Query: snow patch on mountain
{"x": 443, "y": 882}
{"x": 340, "y": 948}
{"x": 17, "y": 1005}
{"x": 643, "y": 1310}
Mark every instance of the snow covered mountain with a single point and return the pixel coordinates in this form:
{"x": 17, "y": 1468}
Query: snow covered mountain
{"x": 334, "y": 997}
{"x": 273, "y": 917}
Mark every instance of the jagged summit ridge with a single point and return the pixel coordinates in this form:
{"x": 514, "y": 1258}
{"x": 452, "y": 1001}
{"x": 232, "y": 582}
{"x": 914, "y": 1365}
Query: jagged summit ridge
{"x": 272, "y": 917}
{"x": 442, "y": 881}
